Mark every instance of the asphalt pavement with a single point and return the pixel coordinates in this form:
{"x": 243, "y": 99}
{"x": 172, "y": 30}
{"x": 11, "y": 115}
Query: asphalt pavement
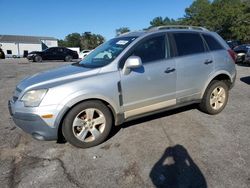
{"x": 180, "y": 148}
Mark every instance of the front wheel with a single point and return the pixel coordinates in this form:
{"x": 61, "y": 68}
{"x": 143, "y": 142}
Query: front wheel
{"x": 215, "y": 97}
{"x": 87, "y": 124}
{"x": 68, "y": 58}
{"x": 38, "y": 58}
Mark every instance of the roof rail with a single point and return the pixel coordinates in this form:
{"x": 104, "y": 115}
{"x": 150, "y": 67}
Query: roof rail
{"x": 121, "y": 34}
{"x": 177, "y": 27}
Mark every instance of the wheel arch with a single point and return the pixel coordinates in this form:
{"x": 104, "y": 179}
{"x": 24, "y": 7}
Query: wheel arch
{"x": 221, "y": 76}
{"x": 116, "y": 118}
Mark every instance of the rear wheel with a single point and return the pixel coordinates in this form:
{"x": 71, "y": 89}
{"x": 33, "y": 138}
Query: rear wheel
{"x": 87, "y": 124}
{"x": 215, "y": 97}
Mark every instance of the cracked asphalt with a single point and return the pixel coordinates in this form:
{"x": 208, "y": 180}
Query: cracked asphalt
{"x": 179, "y": 148}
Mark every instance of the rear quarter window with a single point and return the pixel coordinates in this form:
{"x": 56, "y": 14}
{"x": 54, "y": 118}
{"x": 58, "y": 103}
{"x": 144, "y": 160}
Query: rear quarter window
{"x": 212, "y": 43}
{"x": 188, "y": 43}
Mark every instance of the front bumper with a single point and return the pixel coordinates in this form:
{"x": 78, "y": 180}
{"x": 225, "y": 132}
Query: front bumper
{"x": 33, "y": 124}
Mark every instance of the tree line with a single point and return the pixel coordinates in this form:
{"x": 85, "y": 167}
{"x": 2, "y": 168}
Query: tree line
{"x": 86, "y": 40}
{"x": 229, "y": 18}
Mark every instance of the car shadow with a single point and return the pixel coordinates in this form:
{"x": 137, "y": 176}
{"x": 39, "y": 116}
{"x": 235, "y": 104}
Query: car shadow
{"x": 245, "y": 80}
{"x": 177, "y": 169}
{"x": 158, "y": 115}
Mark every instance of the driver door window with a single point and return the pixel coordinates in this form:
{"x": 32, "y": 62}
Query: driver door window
{"x": 151, "y": 50}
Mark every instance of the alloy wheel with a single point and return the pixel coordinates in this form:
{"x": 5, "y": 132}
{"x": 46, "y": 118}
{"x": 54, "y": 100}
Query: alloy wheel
{"x": 217, "y": 98}
{"x": 89, "y": 124}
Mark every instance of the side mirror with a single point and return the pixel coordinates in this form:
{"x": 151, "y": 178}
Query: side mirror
{"x": 131, "y": 63}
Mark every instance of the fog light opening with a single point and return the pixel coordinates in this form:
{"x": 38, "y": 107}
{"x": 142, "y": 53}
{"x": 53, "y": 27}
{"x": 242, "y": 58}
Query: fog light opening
{"x": 38, "y": 136}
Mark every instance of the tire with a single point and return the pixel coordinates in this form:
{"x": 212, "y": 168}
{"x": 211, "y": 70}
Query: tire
{"x": 215, "y": 98}
{"x": 38, "y": 58}
{"x": 68, "y": 58}
{"x": 81, "y": 130}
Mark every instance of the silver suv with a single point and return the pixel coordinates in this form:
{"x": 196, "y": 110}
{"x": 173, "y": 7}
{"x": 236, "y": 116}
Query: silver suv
{"x": 130, "y": 76}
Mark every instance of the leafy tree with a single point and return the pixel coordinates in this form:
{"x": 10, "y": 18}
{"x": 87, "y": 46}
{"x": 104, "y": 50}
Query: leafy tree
{"x": 91, "y": 41}
{"x": 62, "y": 43}
{"x": 85, "y": 41}
{"x": 230, "y": 18}
{"x": 73, "y": 40}
{"x": 198, "y": 13}
{"x": 160, "y": 21}
{"x": 122, "y": 30}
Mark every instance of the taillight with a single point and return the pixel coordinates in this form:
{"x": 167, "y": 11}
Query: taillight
{"x": 232, "y": 54}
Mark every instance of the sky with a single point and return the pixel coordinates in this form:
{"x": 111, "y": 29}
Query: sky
{"x": 58, "y": 18}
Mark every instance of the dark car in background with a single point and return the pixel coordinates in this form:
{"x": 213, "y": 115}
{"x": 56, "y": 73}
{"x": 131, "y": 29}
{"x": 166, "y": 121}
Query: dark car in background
{"x": 54, "y": 53}
{"x": 247, "y": 57}
{"x": 233, "y": 43}
{"x": 241, "y": 52}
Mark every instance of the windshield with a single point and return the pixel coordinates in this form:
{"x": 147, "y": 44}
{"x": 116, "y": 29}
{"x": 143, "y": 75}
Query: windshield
{"x": 107, "y": 52}
{"x": 47, "y": 49}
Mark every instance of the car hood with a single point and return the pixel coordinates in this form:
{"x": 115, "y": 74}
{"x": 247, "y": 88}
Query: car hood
{"x": 56, "y": 77}
{"x": 33, "y": 52}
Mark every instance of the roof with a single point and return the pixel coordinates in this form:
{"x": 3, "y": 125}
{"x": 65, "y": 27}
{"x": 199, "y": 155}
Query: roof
{"x": 159, "y": 29}
{"x": 186, "y": 27}
{"x": 24, "y": 39}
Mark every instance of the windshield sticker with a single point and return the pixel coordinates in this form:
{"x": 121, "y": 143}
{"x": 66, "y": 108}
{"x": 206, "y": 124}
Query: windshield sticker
{"x": 122, "y": 42}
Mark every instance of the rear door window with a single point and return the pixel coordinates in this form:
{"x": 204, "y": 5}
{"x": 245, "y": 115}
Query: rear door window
{"x": 51, "y": 50}
{"x": 188, "y": 43}
{"x": 212, "y": 43}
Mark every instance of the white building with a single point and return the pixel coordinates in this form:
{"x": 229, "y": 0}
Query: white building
{"x": 19, "y": 46}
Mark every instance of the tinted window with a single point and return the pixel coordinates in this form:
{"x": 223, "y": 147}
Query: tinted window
{"x": 50, "y": 50}
{"x": 212, "y": 43}
{"x": 188, "y": 43}
{"x": 60, "y": 49}
{"x": 151, "y": 50}
{"x": 9, "y": 52}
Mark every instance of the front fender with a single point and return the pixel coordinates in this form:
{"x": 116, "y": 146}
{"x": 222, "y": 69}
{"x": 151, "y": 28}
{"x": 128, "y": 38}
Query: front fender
{"x": 79, "y": 96}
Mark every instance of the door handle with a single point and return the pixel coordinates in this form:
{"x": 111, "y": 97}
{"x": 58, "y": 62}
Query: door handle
{"x": 208, "y": 62}
{"x": 169, "y": 70}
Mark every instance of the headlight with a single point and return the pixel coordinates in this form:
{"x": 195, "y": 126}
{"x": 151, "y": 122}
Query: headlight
{"x": 33, "y": 98}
